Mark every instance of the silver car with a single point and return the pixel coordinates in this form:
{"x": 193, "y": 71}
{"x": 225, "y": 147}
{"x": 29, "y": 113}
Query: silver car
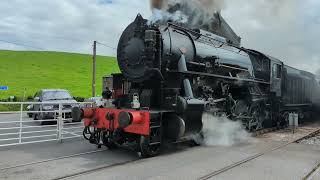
{"x": 50, "y": 111}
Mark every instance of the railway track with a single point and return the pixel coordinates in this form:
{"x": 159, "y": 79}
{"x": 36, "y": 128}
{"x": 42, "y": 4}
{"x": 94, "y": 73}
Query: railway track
{"x": 89, "y": 171}
{"x": 267, "y": 130}
{"x": 208, "y": 176}
{"x": 52, "y": 159}
{"x": 234, "y": 165}
{"x": 312, "y": 173}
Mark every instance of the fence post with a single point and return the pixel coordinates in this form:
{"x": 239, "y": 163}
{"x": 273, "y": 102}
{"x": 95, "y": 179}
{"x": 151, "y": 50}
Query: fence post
{"x": 60, "y": 123}
{"x": 20, "y": 131}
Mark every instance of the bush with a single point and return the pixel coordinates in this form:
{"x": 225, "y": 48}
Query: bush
{"x": 12, "y": 99}
{"x": 79, "y": 99}
{"x": 30, "y": 98}
{"x": 11, "y": 107}
{"x": 16, "y": 107}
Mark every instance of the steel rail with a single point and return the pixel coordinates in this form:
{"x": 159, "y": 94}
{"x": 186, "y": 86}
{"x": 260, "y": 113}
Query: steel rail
{"x": 89, "y": 171}
{"x": 52, "y": 159}
{"x": 312, "y": 173}
{"x": 119, "y": 164}
{"x": 231, "y": 166}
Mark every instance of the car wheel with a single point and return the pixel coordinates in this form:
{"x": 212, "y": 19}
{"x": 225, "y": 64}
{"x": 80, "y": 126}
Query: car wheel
{"x": 42, "y": 119}
{"x": 35, "y": 116}
{"x": 43, "y": 122}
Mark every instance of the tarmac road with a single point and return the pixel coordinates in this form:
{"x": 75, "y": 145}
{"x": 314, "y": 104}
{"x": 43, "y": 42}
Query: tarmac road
{"x": 17, "y": 155}
{"x": 292, "y": 162}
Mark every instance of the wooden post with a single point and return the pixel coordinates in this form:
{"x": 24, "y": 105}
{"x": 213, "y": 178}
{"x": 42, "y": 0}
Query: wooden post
{"x": 94, "y": 69}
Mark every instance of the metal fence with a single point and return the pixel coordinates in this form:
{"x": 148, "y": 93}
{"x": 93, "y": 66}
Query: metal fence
{"x": 45, "y": 121}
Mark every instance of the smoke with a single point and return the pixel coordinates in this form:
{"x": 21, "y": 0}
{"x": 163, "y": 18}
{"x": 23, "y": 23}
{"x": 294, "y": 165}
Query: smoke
{"x": 317, "y": 73}
{"x": 196, "y": 13}
{"x": 162, "y": 17}
{"x": 220, "y": 131}
{"x": 285, "y": 29}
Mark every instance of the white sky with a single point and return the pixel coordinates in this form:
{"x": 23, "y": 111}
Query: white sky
{"x": 286, "y": 29}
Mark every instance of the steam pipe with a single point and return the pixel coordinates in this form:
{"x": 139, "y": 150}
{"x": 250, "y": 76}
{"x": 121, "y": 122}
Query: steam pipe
{"x": 182, "y": 67}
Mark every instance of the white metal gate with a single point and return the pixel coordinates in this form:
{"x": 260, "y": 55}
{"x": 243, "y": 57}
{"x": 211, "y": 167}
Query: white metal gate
{"x": 16, "y": 127}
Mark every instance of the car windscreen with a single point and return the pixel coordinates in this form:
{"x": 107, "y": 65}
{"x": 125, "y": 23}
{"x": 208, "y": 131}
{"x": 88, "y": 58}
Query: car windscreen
{"x": 56, "y": 95}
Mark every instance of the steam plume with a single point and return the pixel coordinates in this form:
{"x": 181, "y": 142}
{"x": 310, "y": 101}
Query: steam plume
{"x": 194, "y": 14}
{"x": 198, "y": 13}
{"x": 220, "y": 131}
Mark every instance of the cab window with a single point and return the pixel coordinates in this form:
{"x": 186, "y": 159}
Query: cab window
{"x": 276, "y": 71}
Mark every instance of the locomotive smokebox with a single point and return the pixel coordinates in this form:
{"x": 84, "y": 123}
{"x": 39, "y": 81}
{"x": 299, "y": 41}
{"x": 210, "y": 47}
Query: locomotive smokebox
{"x": 139, "y": 52}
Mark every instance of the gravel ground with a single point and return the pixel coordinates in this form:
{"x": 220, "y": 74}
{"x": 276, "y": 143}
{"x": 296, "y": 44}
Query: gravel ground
{"x": 311, "y": 141}
{"x": 287, "y": 135}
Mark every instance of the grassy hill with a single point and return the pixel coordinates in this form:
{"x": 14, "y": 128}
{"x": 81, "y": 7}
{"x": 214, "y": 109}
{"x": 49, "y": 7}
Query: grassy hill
{"x": 36, "y": 70}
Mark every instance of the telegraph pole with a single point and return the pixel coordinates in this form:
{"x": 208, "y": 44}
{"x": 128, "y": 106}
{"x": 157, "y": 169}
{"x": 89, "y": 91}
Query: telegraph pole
{"x": 94, "y": 68}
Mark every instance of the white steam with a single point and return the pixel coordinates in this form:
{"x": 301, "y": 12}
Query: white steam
{"x": 220, "y": 131}
{"x": 202, "y": 6}
{"x": 196, "y": 13}
{"x": 161, "y": 17}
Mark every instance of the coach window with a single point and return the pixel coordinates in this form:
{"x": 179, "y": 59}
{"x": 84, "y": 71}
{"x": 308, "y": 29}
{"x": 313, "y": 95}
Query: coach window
{"x": 276, "y": 71}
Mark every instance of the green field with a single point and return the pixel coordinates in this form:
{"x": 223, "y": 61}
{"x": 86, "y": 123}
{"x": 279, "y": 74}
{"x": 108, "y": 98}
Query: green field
{"x": 31, "y": 70}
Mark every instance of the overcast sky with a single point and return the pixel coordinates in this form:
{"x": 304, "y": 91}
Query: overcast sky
{"x": 286, "y": 29}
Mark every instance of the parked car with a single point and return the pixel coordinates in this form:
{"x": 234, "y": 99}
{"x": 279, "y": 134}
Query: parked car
{"x": 30, "y": 108}
{"x": 50, "y": 111}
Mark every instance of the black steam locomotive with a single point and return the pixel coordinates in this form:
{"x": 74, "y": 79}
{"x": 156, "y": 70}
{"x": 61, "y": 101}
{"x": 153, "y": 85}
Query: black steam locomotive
{"x": 171, "y": 75}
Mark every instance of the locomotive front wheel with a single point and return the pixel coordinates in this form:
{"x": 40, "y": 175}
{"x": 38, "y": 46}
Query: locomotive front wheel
{"x": 35, "y": 116}
{"x": 147, "y": 148}
{"x": 108, "y": 142}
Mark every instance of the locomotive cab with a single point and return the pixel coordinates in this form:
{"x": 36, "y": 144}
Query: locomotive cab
{"x": 276, "y": 76}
